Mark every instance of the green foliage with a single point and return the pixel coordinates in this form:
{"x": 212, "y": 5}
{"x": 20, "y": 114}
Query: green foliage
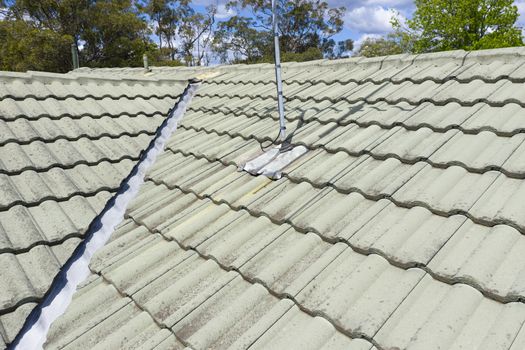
{"x": 439, "y": 25}
{"x": 332, "y": 50}
{"x": 161, "y": 57}
{"x": 238, "y": 37}
{"x": 373, "y": 47}
{"x": 312, "y": 53}
{"x": 345, "y": 46}
{"x": 166, "y": 17}
{"x": 106, "y": 32}
{"x": 168, "y": 63}
{"x": 182, "y": 32}
{"x": 24, "y": 47}
{"x": 114, "y": 35}
{"x": 303, "y": 25}
{"x": 196, "y": 36}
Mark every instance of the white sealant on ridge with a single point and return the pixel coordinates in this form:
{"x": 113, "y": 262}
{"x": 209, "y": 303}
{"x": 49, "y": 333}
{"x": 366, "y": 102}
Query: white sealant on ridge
{"x": 34, "y": 332}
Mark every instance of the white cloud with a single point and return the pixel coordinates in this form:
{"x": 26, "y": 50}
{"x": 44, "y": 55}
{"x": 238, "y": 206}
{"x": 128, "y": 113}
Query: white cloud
{"x": 371, "y": 20}
{"x": 223, "y": 12}
{"x": 350, "y": 5}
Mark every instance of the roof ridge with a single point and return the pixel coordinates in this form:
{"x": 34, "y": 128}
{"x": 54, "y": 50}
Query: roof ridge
{"x": 462, "y": 57}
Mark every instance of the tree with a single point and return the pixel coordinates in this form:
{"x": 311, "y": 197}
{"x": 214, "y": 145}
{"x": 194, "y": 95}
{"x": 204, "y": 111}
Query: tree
{"x": 344, "y": 46}
{"x": 383, "y": 46}
{"x": 239, "y": 38}
{"x": 303, "y": 24}
{"x": 114, "y": 35}
{"x": 105, "y": 32}
{"x": 439, "y": 25}
{"x": 24, "y": 47}
{"x": 165, "y": 18}
{"x": 196, "y": 36}
{"x": 331, "y": 50}
{"x": 182, "y": 32}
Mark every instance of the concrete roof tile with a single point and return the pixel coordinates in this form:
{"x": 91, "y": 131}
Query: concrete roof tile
{"x": 444, "y": 117}
{"x": 378, "y": 177}
{"x": 183, "y": 289}
{"x": 519, "y": 340}
{"x": 137, "y": 270}
{"x": 454, "y": 317}
{"x": 418, "y": 144}
{"x": 358, "y": 139}
{"x": 204, "y": 222}
{"x": 352, "y": 289}
{"x": 127, "y": 234}
{"x": 518, "y": 73}
{"x": 291, "y": 261}
{"x": 338, "y": 215}
{"x": 507, "y": 91}
{"x": 22, "y": 227}
{"x": 490, "y": 71}
{"x": 64, "y": 144}
{"x": 471, "y": 92}
{"x": 229, "y": 320}
{"x": 481, "y": 254}
{"x": 38, "y": 267}
{"x": 481, "y": 151}
{"x": 99, "y": 301}
{"x": 490, "y": 118}
{"x": 419, "y": 71}
{"x": 127, "y": 328}
{"x": 463, "y": 188}
{"x": 31, "y": 187}
{"x": 400, "y": 226}
{"x": 239, "y": 241}
{"x": 322, "y": 168}
{"x": 10, "y": 322}
{"x": 408, "y": 236}
{"x": 502, "y": 202}
{"x": 515, "y": 164}
{"x": 295, "y": 330}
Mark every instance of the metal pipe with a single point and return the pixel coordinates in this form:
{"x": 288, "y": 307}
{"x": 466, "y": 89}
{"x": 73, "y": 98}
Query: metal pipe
{"x": 74, "y": 55}
{"x": 145, "y": 60}
{"x": 280, "y": 100}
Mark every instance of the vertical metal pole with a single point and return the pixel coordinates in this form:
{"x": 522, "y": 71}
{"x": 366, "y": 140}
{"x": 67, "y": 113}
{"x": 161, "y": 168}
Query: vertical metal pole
{"x": 74, "y": 55}
{"x": 280, "y": 101}
{"x": 145, "y": 60}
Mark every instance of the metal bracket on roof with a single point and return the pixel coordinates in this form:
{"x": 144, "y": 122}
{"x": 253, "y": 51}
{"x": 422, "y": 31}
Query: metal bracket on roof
{"x": 272, "y": 162}
{"x": 282, "y": 152}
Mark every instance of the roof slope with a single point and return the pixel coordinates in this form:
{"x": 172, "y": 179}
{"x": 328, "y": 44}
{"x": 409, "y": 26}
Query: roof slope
{"x": 402, "y": 227}
{"x": 66, "y": 143}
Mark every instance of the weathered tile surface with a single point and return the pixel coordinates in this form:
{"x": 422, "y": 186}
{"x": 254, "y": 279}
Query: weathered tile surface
{"x": 402, "y": 227}
{"x": 66, "y": 143}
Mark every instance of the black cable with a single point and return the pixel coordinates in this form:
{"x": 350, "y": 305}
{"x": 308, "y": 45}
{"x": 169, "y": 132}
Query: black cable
{"x": 274, "y": 142}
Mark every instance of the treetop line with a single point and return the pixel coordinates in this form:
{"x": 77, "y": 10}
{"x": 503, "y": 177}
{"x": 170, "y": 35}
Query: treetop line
{"x": 38, "y": 35}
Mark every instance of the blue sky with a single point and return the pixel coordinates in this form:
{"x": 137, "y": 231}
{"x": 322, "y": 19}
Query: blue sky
{"x": 363, "y": 18}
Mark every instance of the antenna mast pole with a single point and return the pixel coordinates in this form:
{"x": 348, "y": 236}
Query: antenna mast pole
{"x": 280, "y": 101}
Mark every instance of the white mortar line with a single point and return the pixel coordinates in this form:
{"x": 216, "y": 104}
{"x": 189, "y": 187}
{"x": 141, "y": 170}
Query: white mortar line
{"x": 34, "y": 332}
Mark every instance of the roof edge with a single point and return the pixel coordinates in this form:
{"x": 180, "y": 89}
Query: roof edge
{"x": 460, "y": 57}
